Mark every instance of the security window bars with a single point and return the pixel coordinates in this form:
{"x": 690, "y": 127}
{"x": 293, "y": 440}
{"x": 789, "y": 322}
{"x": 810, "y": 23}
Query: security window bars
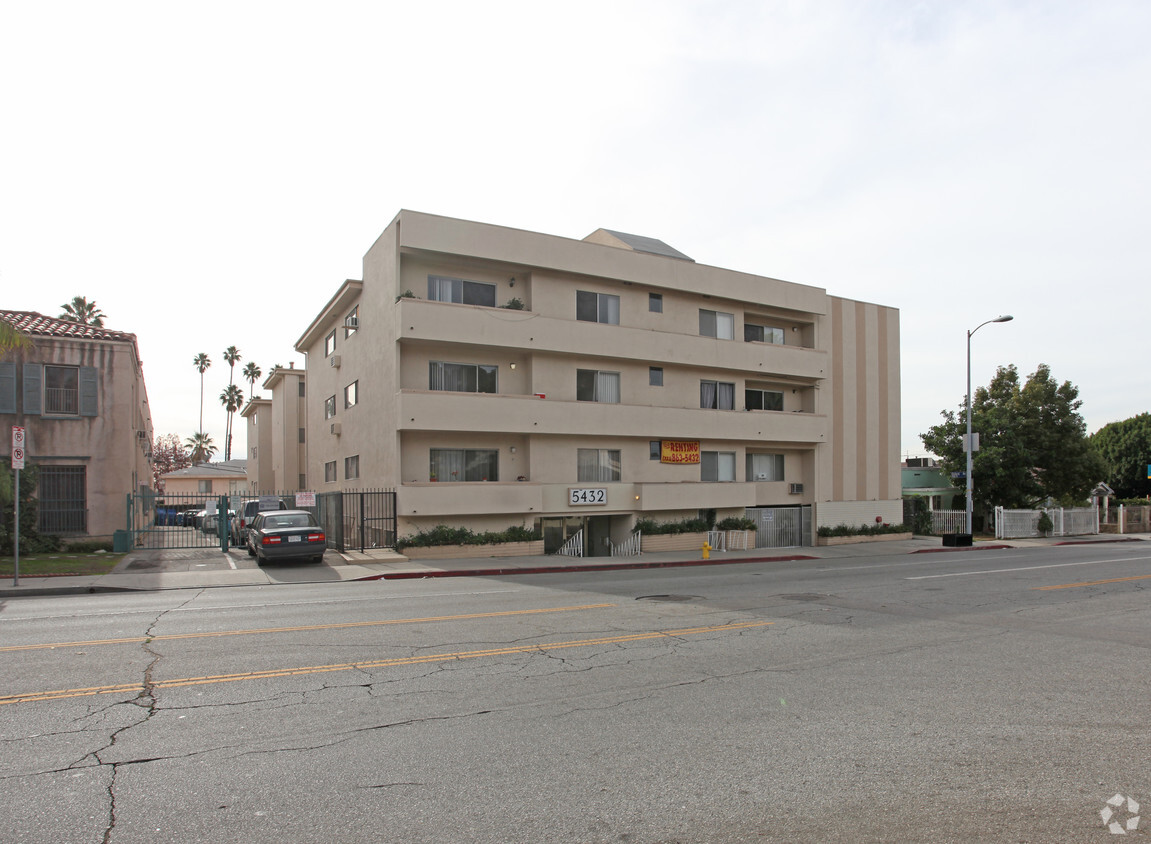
{"x": 717, "y": 395}
{"x": 351, "y": 394}
{"x": 463, "y": 377}
{"x": 461, "y": 291}
{"x": 716, "y": 324}
{"x": 464, "y": 464}
{"x": 762, "y": 334}
{"x": 62, "y": 390}
{"x": 592, "y": 385}
{"x": 765, "y": 467}
{"x": 763, "y": 399}
{"x": 717, "y": 466}
{"x": 597, "y": 307}
{"x": 352, "y": 467}
{"x": 329, "y": 407}
{"x": 63, "y": 499}
{"x": 597, "y": 465}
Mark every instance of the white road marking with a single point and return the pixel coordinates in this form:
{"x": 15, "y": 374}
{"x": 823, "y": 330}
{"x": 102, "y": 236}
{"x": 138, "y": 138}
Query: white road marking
{"x": 1026, "y": 568}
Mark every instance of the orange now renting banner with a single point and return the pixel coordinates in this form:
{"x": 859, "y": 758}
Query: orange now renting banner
{"x": 678, "y": 451}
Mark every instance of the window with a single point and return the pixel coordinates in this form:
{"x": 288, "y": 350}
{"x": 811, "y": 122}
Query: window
{"x": 203, "y": 486}
{"x": 62, "y": 390}
{"x": 592, "y": 385}
{"x": 442, "y": 289}
{"x": 717, "y": 466}
{"x": 762, "y": 334}
{"x": 464, "y": 464}
{"x": 352, "y": 467}
{"x": 597, "y": 307}
{"x": 329, "y": 407}
{"x": 63, "y": 494}
{"x": 716, "y": 324}
{"x": 654, "y": 450}
{"x": 302, "y": 435}
{"x": 352, "y": 322}
{"x": 765, "y": 467}
{"x": 330, "y": 343}
{"x": 763, "y": 399}
{"x": 655, "y": 303}
{"x": 351, "y": 393}
{"x": 655, "y": 376}
{"x": 301, "y": 389}
{"x": 462, "y": 377}
{"x": 717, "y": 395}
{"x": 330, "y": 472}
{"x": 595, "y": 465}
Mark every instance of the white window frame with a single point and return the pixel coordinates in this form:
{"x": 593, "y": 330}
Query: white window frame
{"x": 718, "y": 324}
{"x": 766, "y": 334}
{"x": 605, "y": 385}
{"x": 352, "y": 394}
{"x": 771, "y": 465}
{"x": 444, "y": 374}
{"x": 607, "y": 307}
{"x": 330, "y": 343}
{"x": 598, "y": 465}
{"x": 461, "y": 291}
{"x": 717, "y": 467}
{"x": 330, "y": 472}
{"x": 352, "y": 467}
{"x": 764, "y": 393}
{"x": 329, "y": 408}
{"x": 721, "y": 399}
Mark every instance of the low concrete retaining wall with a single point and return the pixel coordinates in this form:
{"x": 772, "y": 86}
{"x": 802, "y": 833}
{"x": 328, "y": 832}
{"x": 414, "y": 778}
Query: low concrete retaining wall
{"x": 535, "y": 548}
{"x": 654, "y": 543}
{"x": 851, "y": 540}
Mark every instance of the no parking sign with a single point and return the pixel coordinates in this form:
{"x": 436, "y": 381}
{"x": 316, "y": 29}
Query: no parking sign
{"x": 17, "y": 447}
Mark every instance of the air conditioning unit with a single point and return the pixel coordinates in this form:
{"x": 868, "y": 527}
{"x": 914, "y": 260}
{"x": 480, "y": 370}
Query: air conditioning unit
{"x": 334, "y": 361}
{"x": 351, "y": 322}
{"x": 795, "y": 489}
{"x": 337, "y": 429}
{"x": 761, "y": 476}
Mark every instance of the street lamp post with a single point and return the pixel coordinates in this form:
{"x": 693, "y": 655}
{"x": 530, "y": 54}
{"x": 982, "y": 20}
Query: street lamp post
{"x": 967, "y": 447}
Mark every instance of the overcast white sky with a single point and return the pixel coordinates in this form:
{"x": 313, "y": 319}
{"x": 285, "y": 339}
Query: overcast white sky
{"x": 209, "y": 173}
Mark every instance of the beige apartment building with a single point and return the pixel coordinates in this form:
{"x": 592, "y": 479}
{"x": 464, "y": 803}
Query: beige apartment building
{"x": 277, "y": 434}
{"x": 499, "y": 377}
{"x": 78, "y": 392}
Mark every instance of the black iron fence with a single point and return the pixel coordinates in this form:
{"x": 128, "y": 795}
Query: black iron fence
{"x": 358, "y": 520}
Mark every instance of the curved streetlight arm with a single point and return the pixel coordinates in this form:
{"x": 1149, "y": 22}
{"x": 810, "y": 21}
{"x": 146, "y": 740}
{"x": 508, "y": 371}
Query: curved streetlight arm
{"x": 967, "y": 477}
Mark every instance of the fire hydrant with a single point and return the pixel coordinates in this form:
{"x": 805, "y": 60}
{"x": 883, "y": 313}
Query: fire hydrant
{"x": 706, "y": 550}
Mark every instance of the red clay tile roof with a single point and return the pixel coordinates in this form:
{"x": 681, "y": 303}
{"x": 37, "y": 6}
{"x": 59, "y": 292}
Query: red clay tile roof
{"x": 36, "y": 324}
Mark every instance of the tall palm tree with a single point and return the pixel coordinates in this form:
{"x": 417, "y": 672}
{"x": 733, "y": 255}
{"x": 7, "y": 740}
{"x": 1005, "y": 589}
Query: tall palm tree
{"x": 200, "y": 446}
{"x": 81, "y": 310}
{"x": 231, "y": 356}
{"x": 251, "y": 373}
{"x": 201, "y": 362}
{"x": 232, "y": 399}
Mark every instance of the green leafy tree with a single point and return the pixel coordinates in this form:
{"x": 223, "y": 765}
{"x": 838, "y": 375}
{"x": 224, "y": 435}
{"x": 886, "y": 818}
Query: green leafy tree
{"x": 201, "y": 362}
{"x": 81, "y": 310}
{"x": 232, "y": 398}
{"x": 1125, "y": 449}
{"x": 1033, "y": 443}
{"x": 200, "y": 447}
{"x": 12, "y": 338}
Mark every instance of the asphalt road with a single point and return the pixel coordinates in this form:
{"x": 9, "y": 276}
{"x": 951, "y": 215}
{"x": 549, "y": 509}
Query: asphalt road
{"x": 969, "y": 696}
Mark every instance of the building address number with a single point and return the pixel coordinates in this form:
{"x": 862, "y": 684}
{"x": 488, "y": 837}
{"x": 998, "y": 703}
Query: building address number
{"x": 587, "y": 495}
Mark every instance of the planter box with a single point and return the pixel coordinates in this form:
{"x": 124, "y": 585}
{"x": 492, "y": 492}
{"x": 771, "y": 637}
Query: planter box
{"x": 535, "y": 548}
{"x": 654, "y": 543}
{"x": 850, "y": 540}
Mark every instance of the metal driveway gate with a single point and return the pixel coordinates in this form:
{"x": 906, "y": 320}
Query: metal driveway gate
{"x": 358, "y": 520}
{"x": 781, "y": 527}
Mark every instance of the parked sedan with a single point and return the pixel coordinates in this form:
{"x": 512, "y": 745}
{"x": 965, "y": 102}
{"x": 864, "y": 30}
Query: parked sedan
{"x": 286, "y": 535}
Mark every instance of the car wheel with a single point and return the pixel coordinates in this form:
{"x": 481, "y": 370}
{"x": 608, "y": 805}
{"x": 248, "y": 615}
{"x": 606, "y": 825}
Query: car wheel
{"x": 319, "y": 560}
{"x": 248, "y": 548}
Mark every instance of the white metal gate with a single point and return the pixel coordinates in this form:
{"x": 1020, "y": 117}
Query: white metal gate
{"x": 1019, "y": 524}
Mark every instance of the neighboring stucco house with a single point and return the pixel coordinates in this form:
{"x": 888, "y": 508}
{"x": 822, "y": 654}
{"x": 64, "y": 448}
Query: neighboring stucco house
{"x": 79, "y": 392}
{"x": 922, "y": 476}
{"x": 228, "y": 477}
{"x": 277, "y": 434}
{"x": 500, "y": 377}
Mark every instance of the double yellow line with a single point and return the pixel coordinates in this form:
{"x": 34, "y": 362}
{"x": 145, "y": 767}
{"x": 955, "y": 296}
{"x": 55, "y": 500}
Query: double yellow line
{"x": 138, "y": 688}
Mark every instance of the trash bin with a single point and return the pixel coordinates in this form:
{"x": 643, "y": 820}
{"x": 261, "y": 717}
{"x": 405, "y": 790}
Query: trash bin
{"x": 957, "y": 540}
{"x": 120, "y": 543}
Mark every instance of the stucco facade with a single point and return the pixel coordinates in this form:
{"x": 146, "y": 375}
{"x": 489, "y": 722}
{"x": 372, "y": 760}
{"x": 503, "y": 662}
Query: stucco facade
{"x": 78, "y": 391}
{"x": 277, "y": 434}
{"x": 782, "y": 395}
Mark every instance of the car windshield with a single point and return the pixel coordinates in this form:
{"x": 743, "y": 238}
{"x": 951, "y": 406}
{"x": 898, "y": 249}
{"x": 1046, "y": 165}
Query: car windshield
{"x": 290, "y": 520}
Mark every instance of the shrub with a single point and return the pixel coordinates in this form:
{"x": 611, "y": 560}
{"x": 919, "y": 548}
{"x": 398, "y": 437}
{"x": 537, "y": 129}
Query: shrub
{"x": 652, "y": 528}
{"x": 1045, "y": 524}
{"x": 736, "y": 523}
{"x": 862, "y": 530}
{"x": 89, "y": 546}
{"x": 444, "y": 535}
{"x": 514, "y": 304}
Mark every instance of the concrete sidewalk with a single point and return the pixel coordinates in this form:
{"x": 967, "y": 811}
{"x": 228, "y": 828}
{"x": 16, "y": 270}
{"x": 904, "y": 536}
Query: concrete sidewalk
{"x": 154, "y": 570}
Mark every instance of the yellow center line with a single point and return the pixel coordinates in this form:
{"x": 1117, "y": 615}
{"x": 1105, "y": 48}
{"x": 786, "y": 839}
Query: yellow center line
{"x": 60, "y": 694}
{"x": 1093, "y": 582}
{"x": 263, "y": 631}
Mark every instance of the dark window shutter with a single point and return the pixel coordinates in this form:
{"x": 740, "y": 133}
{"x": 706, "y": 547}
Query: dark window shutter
{"x": 89, "y": 390}
{"x": 33, "y": 373}
{"x": 7, "y": 387}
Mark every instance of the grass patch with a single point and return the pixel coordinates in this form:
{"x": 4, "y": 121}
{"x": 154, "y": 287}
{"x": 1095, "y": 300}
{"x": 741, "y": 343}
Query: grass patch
{"x": 59, "y": 563}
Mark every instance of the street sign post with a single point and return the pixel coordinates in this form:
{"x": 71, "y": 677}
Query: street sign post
{"x": 18, "y": 439}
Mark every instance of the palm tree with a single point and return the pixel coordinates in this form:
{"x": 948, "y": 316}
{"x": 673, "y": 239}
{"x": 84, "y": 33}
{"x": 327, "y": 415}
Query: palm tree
{"x": 201, "y": 362}
{"x": 201, "y": 447}
{"x": 231, "y": 356}
{"x": 232, "y": 399}
{"x": 251, "y": 373}
{"x": 81, "y": 310}
{"x": 12, "y": 338}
